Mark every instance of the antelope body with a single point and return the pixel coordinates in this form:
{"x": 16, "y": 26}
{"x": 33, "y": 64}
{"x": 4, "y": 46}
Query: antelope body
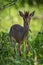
{"x": 18, "y": 33}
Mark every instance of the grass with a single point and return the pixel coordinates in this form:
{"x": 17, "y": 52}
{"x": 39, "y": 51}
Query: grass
{"x": 7, "y": 56}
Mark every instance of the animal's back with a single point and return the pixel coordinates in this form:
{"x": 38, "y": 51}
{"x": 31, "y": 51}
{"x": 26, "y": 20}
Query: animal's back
{"x": 17, "y": 32}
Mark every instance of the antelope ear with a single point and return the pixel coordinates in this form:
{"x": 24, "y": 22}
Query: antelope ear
{"x": 21, "y": 14}
{"x": 32, "y": 14}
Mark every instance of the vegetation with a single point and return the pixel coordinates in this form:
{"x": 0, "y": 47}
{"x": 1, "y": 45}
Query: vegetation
{"x": 9, "y": 16}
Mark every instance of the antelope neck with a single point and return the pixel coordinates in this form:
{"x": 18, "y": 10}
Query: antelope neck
{"x": 26, "y": 27}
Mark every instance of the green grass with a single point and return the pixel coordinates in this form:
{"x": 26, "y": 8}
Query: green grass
{"x": 35, "y": 55}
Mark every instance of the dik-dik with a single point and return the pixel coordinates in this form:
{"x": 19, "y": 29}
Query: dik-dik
{"x": 18, "y": 33}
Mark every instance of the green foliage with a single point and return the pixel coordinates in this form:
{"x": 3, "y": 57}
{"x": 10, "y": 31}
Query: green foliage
{"x": 7, "y": 51}
{"x": 38, "y": 45}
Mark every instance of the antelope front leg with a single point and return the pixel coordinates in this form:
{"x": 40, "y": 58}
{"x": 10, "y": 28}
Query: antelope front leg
{"x": 27, "y": 50}
{"x": 19, "y": 48}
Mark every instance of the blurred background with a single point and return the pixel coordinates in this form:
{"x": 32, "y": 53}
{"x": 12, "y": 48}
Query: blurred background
{"x": 9, "y": 15}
